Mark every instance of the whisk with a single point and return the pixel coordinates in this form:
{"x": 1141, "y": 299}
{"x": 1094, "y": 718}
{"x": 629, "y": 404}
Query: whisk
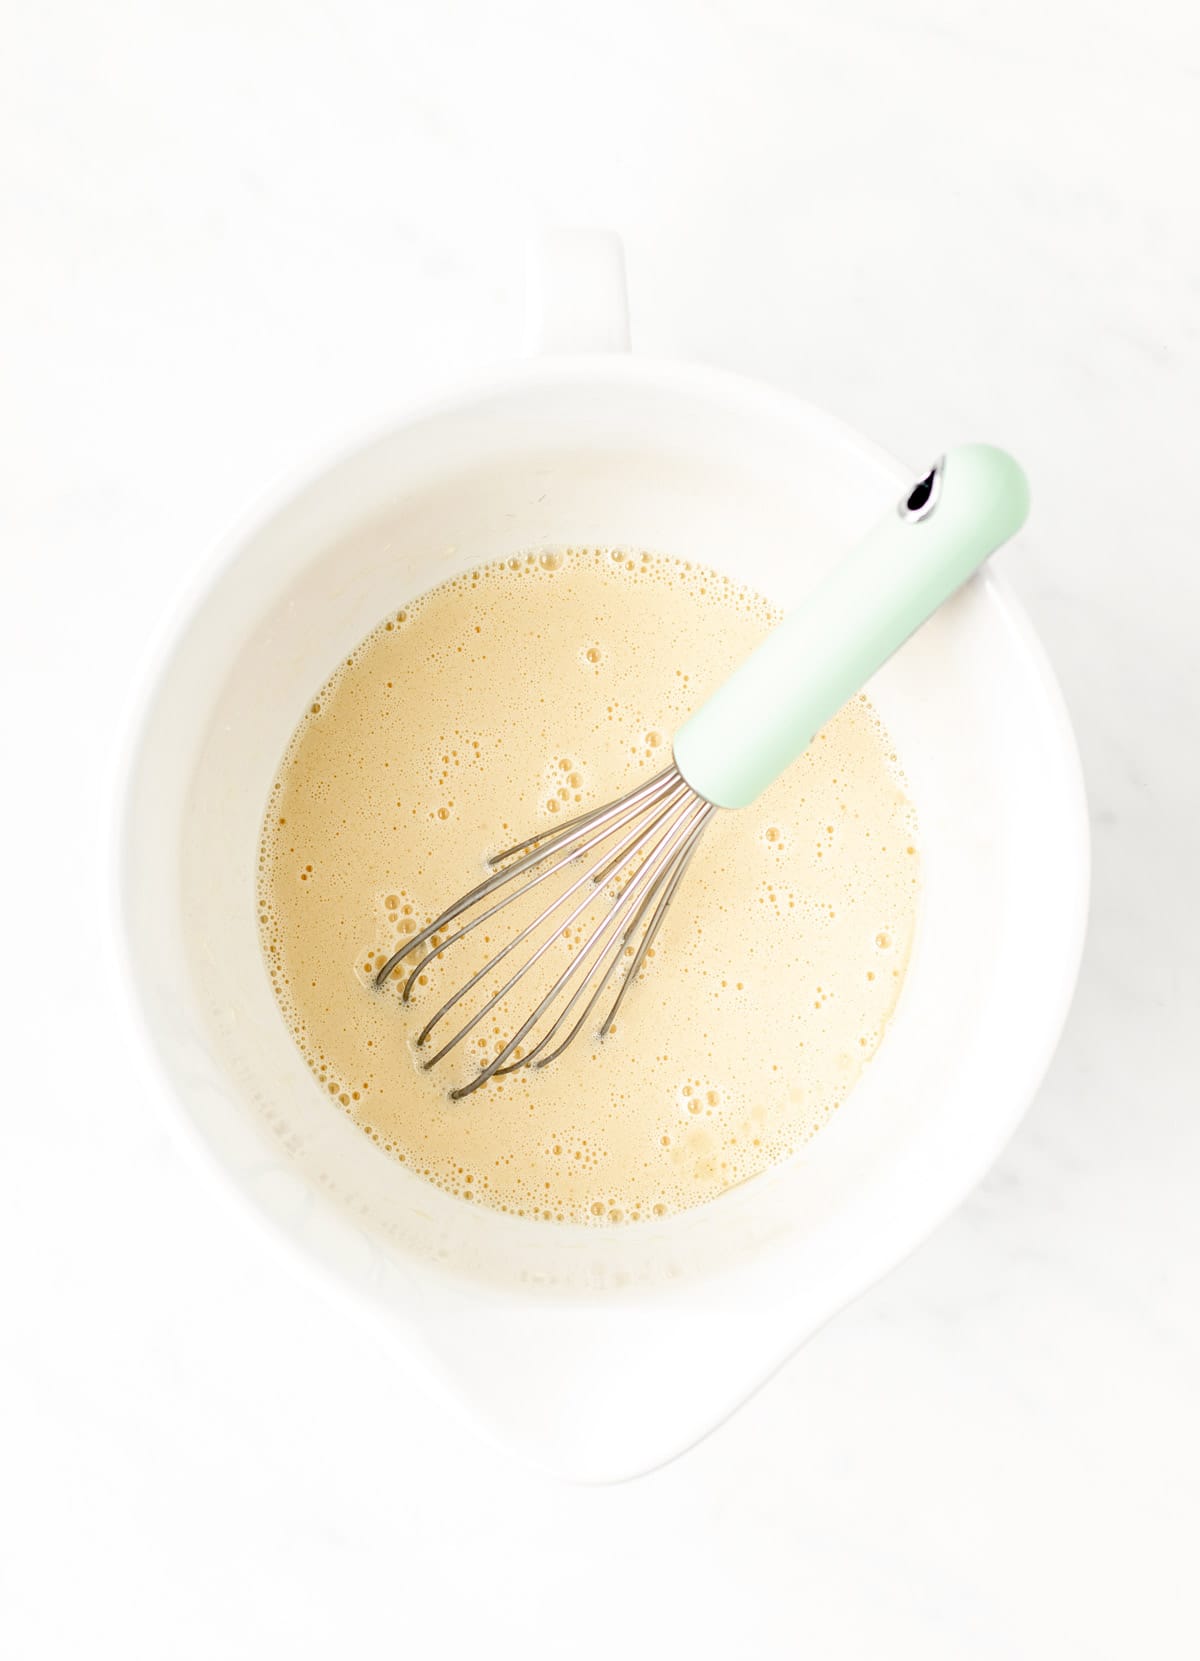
{"x": 635, "y": 851}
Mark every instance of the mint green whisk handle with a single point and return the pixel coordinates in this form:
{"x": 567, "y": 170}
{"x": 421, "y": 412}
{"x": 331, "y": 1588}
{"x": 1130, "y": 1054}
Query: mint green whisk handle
{"x": 772, "y": 707}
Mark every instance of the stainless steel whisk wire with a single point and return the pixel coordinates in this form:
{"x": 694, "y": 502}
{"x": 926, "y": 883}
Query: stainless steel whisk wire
{"x": 728, "y": 751}
{"x": 659, "y": 824}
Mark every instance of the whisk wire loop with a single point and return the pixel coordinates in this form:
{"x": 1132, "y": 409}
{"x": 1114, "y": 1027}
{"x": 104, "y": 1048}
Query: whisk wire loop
{"x": 656, "y": 827}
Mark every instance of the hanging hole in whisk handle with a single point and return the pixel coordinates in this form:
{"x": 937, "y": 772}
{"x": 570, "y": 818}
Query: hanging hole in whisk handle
{"x": 923, "y": 497}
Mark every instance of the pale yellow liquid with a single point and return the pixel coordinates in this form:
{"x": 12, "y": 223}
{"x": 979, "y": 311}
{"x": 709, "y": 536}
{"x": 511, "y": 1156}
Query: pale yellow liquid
{"x": 495, "y": 707}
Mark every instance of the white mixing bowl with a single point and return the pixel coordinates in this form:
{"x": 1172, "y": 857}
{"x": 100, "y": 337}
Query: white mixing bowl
{"x": 601, "y": 1353}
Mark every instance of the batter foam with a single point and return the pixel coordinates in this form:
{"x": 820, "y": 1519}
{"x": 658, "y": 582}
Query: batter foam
{"x": 536, "y": 687}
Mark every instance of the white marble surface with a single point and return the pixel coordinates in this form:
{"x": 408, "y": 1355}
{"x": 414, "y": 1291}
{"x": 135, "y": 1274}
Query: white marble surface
{"x": 234, "y": 232}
